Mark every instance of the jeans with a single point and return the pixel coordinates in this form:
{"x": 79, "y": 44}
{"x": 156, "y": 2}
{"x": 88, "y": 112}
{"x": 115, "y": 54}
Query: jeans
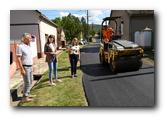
{"x": 52, "y": 64}
{"x": 28, "y": 79}
{"x": 73, "y": 62}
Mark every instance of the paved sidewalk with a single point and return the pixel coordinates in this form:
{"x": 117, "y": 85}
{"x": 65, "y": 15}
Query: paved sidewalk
{"x": 147, "y": 59}
{"x": 39, "y": 67}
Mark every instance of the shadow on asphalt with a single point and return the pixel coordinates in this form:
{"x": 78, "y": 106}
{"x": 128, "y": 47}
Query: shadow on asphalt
{"x": 103, "y": 70}
{"x": 123, "y": 76}
{"x": 91, "y": 50}
{"x": 96, "y": 69}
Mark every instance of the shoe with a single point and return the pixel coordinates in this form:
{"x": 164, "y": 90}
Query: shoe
{"x": 31, "y": 96}
{"x": 26, "y": 99}
{"x": 58, "y": 80}
{"x": 75, "y": 75}
{"x": 52, "y": 84}
{"x": 72, "y": 76}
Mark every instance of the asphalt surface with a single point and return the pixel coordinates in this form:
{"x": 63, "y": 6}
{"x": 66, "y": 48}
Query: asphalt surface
{"x": 124, "y": 89}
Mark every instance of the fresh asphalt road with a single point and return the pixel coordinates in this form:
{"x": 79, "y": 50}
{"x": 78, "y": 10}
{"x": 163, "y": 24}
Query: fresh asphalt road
{"x": 102, "y": 88}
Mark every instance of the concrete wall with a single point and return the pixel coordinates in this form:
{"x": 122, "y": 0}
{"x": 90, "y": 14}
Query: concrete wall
{"x": 13, "y": 64}
{"x": 17, "y": 31}
{"x": 125, "y": 18}
{"x": 60, "y": 38}
{"x": 139, "y": 23}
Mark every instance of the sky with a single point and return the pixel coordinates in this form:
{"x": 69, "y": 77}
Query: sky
{"x": 95, "y": 16}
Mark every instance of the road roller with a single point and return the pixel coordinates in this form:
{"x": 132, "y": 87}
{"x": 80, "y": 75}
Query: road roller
{"x": 118, "y": 54}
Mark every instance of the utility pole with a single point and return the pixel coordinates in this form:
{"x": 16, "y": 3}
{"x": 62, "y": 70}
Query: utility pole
{"x": 87, "y": 26}
{"x": 87, "y": 19}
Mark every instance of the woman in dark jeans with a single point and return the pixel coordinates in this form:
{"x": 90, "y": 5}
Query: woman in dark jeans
{"x": 74, "y": 56}
{"x": 50, "y": 51}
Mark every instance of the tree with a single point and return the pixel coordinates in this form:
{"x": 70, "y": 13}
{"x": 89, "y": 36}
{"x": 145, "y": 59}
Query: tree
{"x": 92, "y": 32}
{"x": 57, "y": 21}
{"x": 71, "y": 25}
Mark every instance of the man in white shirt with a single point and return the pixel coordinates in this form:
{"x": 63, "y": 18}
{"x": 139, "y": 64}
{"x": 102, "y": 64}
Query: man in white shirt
{"x": 25, "y": 61}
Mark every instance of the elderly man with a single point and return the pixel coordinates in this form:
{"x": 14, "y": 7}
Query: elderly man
{"x": 25, "y": 61}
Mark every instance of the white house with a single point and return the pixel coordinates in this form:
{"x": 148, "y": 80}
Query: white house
{"x": 61, "y": 41}
{"x": 29, "y": 21}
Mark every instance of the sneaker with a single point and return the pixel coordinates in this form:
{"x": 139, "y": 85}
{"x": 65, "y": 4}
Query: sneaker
{"x": 26, "y": 99}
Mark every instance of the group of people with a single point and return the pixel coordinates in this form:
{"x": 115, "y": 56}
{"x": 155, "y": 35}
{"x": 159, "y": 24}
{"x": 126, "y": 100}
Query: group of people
{"x": 25, "y": 61}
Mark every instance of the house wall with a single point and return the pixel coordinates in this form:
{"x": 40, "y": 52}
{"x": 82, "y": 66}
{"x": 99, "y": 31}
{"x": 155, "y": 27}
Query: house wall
{"x": 17, "y": 31}
{"x": 125, "y": 18}
{"x": 13, "y": 63}
{"x": 60, "y": 38}
{"x": 139, "y": 23}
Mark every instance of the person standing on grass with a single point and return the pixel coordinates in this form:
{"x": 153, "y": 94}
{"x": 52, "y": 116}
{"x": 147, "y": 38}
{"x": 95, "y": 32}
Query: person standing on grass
{"x": 74, "y": 56}
{"x": 25, "y": 62}
{"x": 50, "y": 50}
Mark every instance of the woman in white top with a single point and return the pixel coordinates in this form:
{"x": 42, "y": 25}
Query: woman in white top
{"x": 74, "y": 56}
{"x": 50, "y": 51}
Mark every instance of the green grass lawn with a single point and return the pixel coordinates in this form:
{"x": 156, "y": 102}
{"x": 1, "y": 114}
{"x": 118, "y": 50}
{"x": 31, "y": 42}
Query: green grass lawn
{"x": 68, "y": 93}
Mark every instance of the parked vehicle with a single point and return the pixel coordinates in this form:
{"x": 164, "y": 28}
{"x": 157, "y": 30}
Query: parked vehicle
{"x": 83, "y": 42}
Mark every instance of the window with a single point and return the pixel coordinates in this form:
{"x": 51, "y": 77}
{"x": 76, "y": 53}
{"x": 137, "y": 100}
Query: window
{"x": 110, "y": 45}
{"x": 46, "y": 37}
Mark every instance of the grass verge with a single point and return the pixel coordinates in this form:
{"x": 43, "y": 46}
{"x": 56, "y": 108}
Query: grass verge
{"x": 68, "y": 93}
